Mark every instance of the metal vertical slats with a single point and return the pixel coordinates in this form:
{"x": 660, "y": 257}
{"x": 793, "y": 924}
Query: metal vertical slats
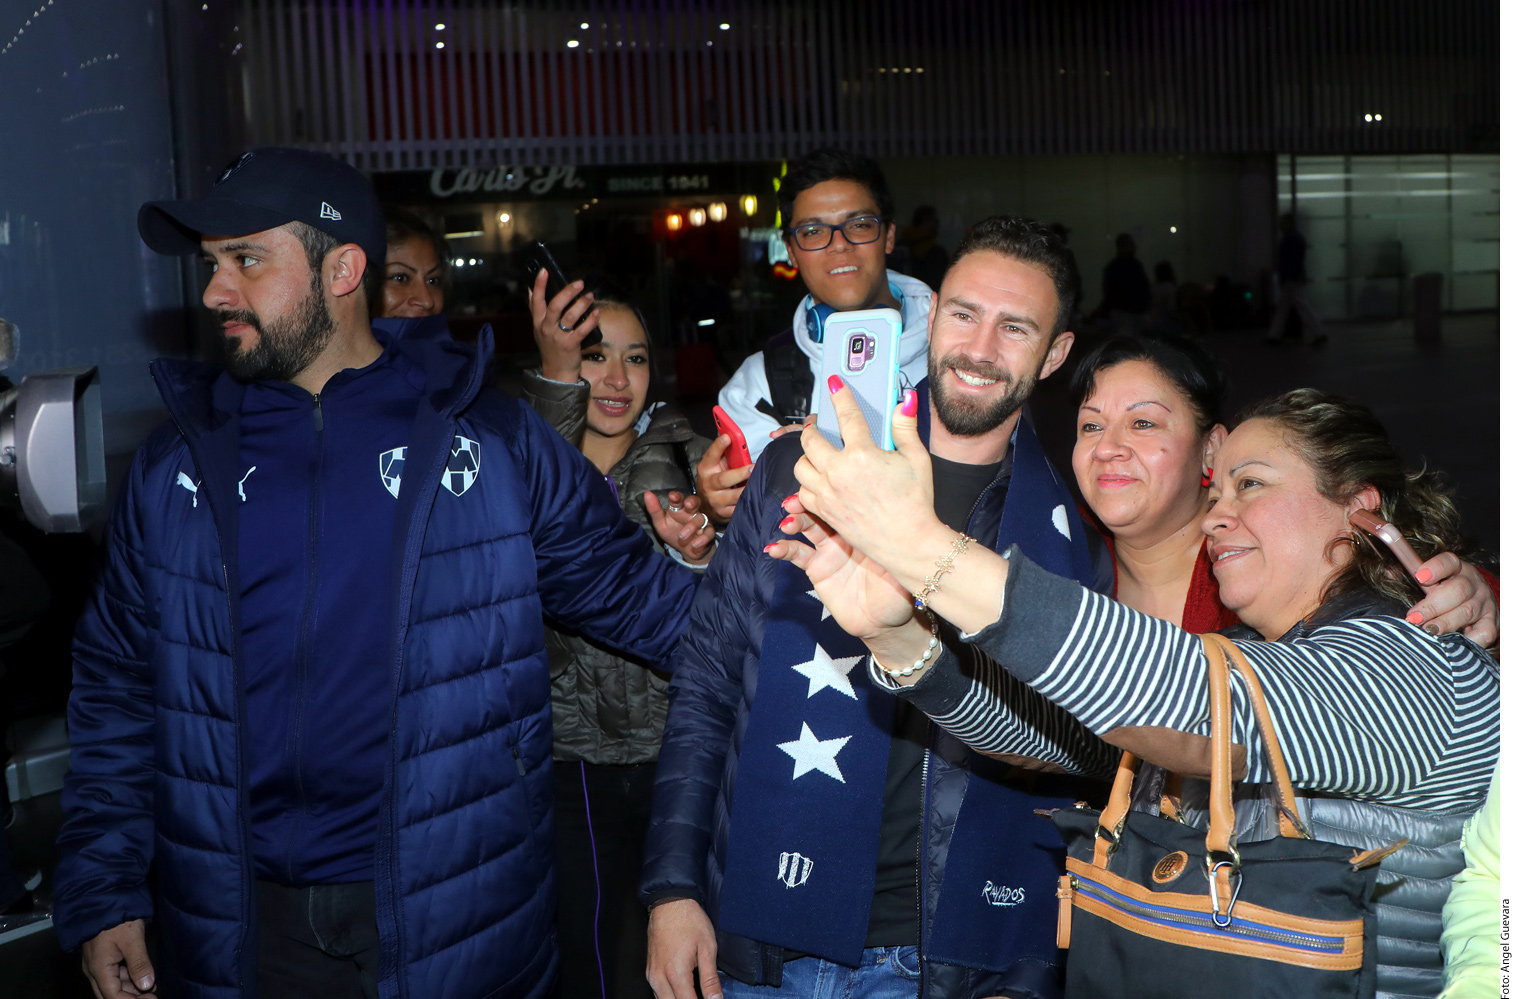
{"x": 364, "y": 80}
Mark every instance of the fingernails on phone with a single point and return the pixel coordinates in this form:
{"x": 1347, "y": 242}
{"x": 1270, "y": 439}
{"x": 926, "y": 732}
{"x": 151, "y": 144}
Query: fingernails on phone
{"x": 1423, "y": 574}
{"x": 834, "y": 383}
{"x": 1414, "y": 617}
{"x": 1433, "y": 629}
{"x": 908, "y": 406}
{"x": 787, "y": 522}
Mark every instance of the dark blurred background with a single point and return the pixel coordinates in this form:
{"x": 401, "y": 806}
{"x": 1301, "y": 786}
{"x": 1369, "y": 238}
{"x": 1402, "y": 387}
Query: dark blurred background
{"x": 646, "y": 139}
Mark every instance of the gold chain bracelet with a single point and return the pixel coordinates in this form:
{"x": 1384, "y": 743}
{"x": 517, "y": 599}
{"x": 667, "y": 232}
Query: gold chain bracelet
{"x": 943, "y": 566}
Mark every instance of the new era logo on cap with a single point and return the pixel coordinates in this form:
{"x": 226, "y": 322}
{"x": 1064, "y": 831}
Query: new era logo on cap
{"x": 266, "y": 188}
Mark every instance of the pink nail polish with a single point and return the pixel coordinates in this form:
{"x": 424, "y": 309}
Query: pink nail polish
{"x": 769, "y": 547}
{"x": 908, "y": 406}
{"x": 792, "y": 496}
{"x": 786, "y": 522}
{"x": 834, "y": 383}
{"x": 1424, "y": 575}
{"x": 1414, "y": 617}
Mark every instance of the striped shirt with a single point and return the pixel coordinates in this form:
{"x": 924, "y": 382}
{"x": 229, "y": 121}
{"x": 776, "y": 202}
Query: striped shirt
{"x": 1368, "y": 707}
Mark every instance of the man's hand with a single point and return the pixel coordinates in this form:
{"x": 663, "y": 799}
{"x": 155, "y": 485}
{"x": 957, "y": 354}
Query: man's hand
{"x": 1458, "y": 598}
{"x": 719, "y": 487}
{"x": 116, "y": 964}
{"x": 682, "y": 526}
{"x": 681, "y": 943}
{"x": 559, "y": 329}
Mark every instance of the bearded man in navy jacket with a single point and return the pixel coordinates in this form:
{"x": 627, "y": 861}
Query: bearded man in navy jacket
{"x": 310, "y": 725}
{"x": 811, "y": 837}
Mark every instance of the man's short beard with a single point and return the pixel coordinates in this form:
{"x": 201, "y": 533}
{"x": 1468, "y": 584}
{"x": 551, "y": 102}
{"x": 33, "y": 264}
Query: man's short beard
{"x": 963, "y": 418}
{"x": 287, "y": 346}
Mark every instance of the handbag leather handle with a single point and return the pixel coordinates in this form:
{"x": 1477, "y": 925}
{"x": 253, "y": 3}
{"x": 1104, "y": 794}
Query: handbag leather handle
{"x": 1282, "y": 788}
{"x": 1223, "y": 656}
{"x": 1113, "y": 819}
{"x": 1222, "y": 835}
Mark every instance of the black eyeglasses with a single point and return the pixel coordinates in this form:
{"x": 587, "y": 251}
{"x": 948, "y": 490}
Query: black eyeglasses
{"x": 818, "y": 235}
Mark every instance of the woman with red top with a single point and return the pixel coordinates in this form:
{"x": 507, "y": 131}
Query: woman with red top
{"x": 1148, "y": 424}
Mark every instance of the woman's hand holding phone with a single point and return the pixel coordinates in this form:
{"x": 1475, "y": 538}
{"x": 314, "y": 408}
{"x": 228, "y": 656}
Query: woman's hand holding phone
{"x": 720, "y": 486}
{"x": 559, "y": 325}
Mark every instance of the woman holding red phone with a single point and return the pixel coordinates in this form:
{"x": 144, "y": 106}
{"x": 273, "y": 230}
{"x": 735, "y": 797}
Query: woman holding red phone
{"x": 607, "y": 712}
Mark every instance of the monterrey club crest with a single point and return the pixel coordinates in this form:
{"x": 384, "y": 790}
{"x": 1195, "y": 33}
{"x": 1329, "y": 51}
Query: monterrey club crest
{"x": 462, "y": 466}
{"x": 391, "y": 465}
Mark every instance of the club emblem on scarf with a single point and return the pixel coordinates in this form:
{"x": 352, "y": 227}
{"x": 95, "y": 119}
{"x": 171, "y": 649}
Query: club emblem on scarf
{"x": 794, "y": 869}
{"x": 462, "y": 466}
{"x": 391, "y": 465}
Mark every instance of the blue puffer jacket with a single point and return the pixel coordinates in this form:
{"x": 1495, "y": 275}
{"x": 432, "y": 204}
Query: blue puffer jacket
{"x": 463, "y": 875}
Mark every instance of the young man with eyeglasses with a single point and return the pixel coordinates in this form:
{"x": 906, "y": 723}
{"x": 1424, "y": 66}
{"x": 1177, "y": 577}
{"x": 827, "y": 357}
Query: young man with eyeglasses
{"x": 838, "y": 220}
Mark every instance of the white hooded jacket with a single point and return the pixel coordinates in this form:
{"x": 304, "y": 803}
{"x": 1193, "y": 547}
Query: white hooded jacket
{"x": 740, "y": 396}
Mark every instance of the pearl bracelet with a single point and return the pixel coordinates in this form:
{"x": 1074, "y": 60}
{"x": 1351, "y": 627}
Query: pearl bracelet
{"x": 920, "y": 663}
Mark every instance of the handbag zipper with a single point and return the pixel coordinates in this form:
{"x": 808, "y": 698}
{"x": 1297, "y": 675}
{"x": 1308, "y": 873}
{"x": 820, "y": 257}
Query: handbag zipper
{"x": 1204, "y": 924}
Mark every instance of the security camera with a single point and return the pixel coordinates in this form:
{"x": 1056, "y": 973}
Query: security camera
{"x": 52, "y": 448}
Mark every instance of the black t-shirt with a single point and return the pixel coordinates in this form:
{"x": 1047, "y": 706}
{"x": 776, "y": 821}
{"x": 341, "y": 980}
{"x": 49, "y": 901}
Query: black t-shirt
{"x": 895, "y": 919}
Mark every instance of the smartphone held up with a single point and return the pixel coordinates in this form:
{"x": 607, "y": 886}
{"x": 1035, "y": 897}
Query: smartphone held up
{"x": 863, "y": 350}
{"x": 539, "y": 258}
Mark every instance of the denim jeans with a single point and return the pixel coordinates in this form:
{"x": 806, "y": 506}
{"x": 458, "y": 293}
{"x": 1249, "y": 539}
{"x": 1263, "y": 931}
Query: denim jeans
{"x": 886, "y": 973}
{"x": 320, "y": 942}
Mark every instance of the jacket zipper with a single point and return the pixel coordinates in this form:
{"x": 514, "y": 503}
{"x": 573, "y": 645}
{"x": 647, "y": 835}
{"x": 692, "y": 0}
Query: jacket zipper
{"x": 1308, "y": 942}
{"x": 920, "y": 864}
{"x": 302, "y": 656}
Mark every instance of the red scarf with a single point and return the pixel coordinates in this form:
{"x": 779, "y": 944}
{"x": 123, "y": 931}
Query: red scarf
{"x": 1203, "y": 611}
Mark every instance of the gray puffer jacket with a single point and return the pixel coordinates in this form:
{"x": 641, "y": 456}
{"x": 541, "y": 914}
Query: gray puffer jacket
{"x": 606, "y": 709}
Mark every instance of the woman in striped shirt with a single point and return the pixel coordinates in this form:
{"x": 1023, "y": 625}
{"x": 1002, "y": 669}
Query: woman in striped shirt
{"x": 1368, "y": 707}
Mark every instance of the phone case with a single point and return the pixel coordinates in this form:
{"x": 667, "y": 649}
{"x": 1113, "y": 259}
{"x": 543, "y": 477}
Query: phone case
{"x": 737, "y": 455}
{"x": 863, "y": 348}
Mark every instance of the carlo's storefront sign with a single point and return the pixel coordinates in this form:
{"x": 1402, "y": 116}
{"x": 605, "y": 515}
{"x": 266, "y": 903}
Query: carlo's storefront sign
{"x": 561, "y": 182}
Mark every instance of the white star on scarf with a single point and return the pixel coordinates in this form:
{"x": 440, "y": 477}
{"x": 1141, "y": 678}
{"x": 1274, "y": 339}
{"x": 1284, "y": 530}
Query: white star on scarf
{"x": 824, "y": 671}
{"x": 825, "y": 611}
{"x": 810, "y": 753}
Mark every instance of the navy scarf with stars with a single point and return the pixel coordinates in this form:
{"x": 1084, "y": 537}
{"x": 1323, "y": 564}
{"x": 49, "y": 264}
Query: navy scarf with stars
{"x": 808, "y": 798}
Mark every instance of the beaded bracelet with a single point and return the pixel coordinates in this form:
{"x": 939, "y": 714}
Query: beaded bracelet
{"x": 943, "y": 566}
{"x": 920, "y": 663}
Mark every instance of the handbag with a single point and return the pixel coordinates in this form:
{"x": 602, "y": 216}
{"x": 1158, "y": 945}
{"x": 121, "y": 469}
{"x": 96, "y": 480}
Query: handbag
{"x": 1151, "y": 907}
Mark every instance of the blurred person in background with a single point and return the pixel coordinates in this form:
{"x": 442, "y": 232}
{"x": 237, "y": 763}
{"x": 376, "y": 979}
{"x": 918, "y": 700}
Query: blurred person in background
{"x": 1291, "y": 285}
{"x": 1127, "y": 294}
{"x": 607, "y": 710}
{"x": 838, "y": 223}
{"x": 928, "y": 261}
{"x": 1164, "y": 313}
{"x": 415, "y": 267}
{"x": 310, "y": 725}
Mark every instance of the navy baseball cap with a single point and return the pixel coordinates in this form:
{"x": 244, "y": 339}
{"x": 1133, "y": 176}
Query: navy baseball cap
{"x": 264, "y": 189}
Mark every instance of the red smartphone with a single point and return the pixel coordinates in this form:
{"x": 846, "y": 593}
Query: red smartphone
{"x": 737, "y": 455}
{"x": 1373, "y": 524}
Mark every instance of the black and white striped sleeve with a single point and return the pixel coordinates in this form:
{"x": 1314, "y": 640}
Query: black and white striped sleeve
{"x": 970, "y": 696}
{"x": 1371, "y": 707}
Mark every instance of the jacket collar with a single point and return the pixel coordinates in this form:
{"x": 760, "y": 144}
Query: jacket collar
{"x": 203, "y": 397}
